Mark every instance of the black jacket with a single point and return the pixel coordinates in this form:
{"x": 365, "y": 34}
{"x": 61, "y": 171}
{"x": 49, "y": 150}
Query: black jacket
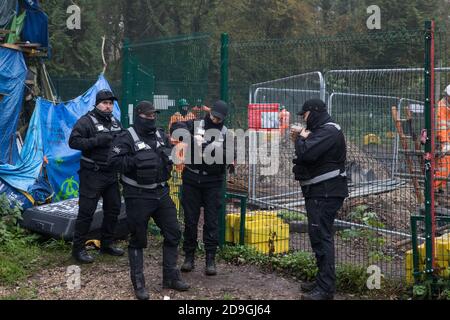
{"x": 86, "y": 138}
{"x": 215, "y": 171}
{"x": 323, "y": 151}
{"x": 124, "y": 158}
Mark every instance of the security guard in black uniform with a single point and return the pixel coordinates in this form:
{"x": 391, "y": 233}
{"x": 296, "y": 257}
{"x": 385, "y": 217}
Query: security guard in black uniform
{"x": 143, "y": 155}
{"x": 202, "y": 186}
{"x": 320, "y": 151}
{"x": 92, "y": 134}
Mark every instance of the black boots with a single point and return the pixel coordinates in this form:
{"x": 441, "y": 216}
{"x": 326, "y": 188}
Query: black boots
{"x": 107, "y": 248}
{"x": 172, "y": 280}
{"x": 136, "y": 258}
{"x": 188, "y": 264}
{"x": 81, "y": 255}
{"x": 210, "y": 269}
{"x": 318, "y": 294}
{"x": 308, "y": 286}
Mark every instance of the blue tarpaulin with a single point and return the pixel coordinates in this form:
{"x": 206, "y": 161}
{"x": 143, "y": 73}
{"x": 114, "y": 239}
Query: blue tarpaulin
{"x": 35, "y": 29}
{"x": 31, "y": 4}
{"x": 7, "y": 11}
{"x": 48, "y": 136}
{"x": 24, "y": 173}
{"x": 13, "y": 72}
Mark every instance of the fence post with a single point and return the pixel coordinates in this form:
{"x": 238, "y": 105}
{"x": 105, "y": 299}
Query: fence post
{"x": 224, "y": 97}
{"x": 429, "y": 149}
{"x": 125, "y": 83}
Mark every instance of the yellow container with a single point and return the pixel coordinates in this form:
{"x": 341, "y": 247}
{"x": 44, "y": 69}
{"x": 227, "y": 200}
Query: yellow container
{"x": 230, "y": 220}
{"x": 442, "y": 248}
{"x": 233, "y": 221}
{"x": 256, "y": 232}
{"x": 275, "y": 247}
{"x": 441, "y": 255}
{"x": 371, "y": 139}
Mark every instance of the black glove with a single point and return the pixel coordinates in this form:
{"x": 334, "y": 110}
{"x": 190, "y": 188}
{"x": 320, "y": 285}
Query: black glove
{"x": 104, "y": 139}
{"x": 231, "y": 169}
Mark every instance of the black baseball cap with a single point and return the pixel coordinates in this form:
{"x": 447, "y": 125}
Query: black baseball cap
{"x": 316, "y": 105}
{"x": 219, "y": 109}
{"x": 146, "y": 107}
{"x": 104, "y": 95}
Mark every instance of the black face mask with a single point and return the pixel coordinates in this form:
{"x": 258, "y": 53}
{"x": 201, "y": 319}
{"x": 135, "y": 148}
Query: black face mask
{"x": 145, "y": 125}
{"x": 209, "y": 124}
{"x": 316, "y": 119}
{"x": 106, "y": 115}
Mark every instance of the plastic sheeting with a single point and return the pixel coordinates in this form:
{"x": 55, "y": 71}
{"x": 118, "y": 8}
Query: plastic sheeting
{"x": 24, "y": 173}
{"x": 35, "y": 27}
{"x": 7, "y": 11}
{"x": 31, "y": 4}
{"x": 13, "y": 72}
{"x": 48, "y": 136}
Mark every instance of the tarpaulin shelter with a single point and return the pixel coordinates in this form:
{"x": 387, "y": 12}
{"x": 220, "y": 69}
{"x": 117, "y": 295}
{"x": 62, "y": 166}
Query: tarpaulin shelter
{"x": 47, "y": 138}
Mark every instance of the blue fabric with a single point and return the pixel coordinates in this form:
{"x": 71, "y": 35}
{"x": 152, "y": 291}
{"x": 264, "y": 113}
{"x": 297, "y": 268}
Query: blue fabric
{"x": 7, "y": 12}
{"x": 13, "y": 72}
{"x": 35, "y": 27}
{"x": 31, "y": 4}
{"x": 24, "y": 173}
{"x": 48, "y": 136}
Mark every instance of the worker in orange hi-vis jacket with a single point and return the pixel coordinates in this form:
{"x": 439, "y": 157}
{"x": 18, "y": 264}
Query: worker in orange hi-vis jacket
{"x": 284, "y": 119}
{"x": 443, "y": 137}
{"x": 183, "y": 114}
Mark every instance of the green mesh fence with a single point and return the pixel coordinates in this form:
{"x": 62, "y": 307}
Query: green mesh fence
{"x": 70, "y": 88}
{"x": 164, "y": 71}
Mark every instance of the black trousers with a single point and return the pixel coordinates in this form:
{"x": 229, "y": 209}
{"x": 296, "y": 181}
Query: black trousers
{"x": 193, "y": 197}
{"x": 321, "y": 214}
{"x": 164, "y": 213}
{"x": 93, "y": 185}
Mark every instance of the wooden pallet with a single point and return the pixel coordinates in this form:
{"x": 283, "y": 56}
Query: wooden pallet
{"x": 29, "y": 49}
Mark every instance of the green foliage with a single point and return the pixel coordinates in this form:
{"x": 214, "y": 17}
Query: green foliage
{"x": 374, "y": 241}
{"x": 9, "y": 219}
{"x": 432, "y": 289}
{"x": 302, "y": 265}
{"x": 299, "y": 264}
{"x": 24, "y": 254}
{"x": 17, "y": 260}
{"x": 288, "y": 216}
{"x": 351, "y": 279}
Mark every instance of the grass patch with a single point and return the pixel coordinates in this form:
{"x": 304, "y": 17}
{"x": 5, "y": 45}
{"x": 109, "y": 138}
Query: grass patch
{"x": 20, "y": 259}
{"x": 350, "y": 279}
